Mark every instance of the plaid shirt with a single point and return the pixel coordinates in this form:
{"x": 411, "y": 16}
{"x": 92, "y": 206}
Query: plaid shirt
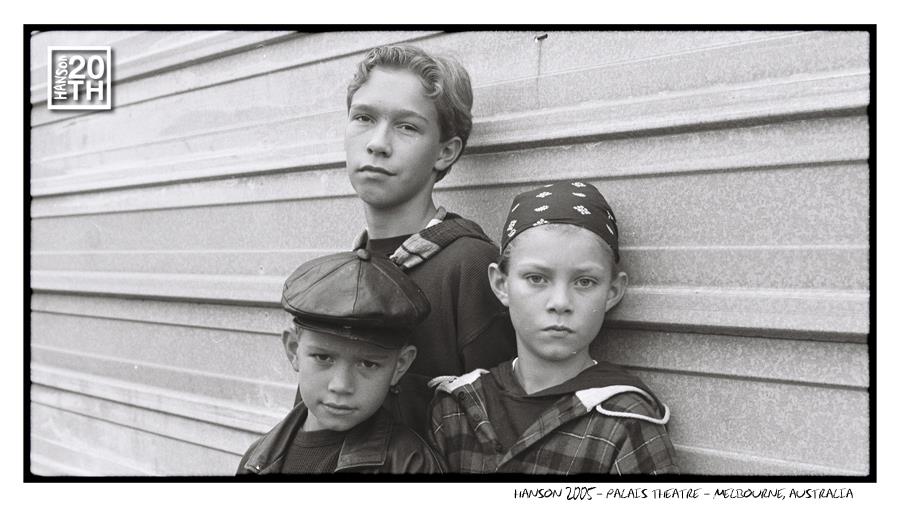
{"x": 576, "y": 435}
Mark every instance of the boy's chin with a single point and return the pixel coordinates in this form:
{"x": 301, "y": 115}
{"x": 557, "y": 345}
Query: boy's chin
{"x": 376, "y": 198}
{"x": 340, "y": 424}
{"x": 560, "y": 354}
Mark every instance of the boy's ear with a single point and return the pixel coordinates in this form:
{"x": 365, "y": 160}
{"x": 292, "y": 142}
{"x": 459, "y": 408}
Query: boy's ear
{"x": 498, "y": 283}
{"x": 450, "y": 151}
{"x": 404, "y": 360}
{"x": 616, "y": 289}
{"x": 291, "y": 340}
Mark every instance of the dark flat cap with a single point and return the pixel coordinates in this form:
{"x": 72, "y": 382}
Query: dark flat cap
{"x": 355, "y": 295}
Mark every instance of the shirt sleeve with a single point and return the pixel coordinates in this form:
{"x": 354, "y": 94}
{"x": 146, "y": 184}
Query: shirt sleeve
{"x": 437, "y": 433}
{"x": 448, "y": 434}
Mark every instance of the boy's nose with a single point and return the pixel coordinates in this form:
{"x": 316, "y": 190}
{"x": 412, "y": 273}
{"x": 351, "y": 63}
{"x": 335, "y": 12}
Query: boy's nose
{"x": 342, "y": 381}
{"x": 559, "y": 300}
{"x": 380, "y": 142}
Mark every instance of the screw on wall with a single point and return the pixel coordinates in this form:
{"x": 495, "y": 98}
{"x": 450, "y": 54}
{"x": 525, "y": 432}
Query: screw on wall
{"x": 539, "y": 40}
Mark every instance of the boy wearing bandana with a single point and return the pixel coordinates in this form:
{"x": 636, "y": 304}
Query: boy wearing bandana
{"x": 553, "y": 409}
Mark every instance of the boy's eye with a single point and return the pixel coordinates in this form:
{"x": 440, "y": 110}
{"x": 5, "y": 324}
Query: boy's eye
{"x": 368, "y": 364}
{"x": 362, "y": 118}
{"x": 321, "y": 357}
{"x": 534, "y": 279}
{"x": 585, "y": 282}
{"x": 406, "y": 127}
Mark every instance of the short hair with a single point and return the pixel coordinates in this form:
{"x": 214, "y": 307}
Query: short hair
{"x": 445, "y": 80}
{"x": 503, "y": 260}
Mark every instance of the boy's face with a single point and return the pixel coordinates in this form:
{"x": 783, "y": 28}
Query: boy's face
{"x": 558, "y": 288}
{"x": 392, "y": 140}
{"x": 343, "y": 382}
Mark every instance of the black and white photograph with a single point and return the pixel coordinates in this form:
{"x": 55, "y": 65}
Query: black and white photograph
{"x": 561, "y": 254}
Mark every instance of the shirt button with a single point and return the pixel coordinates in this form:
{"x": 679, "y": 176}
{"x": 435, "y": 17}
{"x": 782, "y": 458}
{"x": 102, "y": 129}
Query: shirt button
{"x": 498, "y": 447}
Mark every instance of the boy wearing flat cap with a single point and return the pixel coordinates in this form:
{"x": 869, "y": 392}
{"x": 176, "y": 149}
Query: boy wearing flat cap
{"x": 553, "y": 409}
{"x": 353, "y": 313}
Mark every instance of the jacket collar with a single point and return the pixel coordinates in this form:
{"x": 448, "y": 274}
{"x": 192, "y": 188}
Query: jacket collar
{"x": 365, "y": 445}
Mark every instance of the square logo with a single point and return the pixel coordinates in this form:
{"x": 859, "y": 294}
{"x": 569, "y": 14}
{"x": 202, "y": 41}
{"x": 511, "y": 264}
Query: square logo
{"x": 78, "y": 77}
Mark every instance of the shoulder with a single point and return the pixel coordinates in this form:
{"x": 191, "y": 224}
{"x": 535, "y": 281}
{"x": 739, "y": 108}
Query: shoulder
{"x": 633, "y": 403}
{"x": 452, "y": 393}
{"x": 644, "y": 447}
{"x": 456, "y": 384}
{"x": 469, "y": 253}
{"x": 619, "y": 397}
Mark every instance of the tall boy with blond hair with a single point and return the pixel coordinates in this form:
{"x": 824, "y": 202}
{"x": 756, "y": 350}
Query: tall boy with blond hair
{"x": 409, "y": 119}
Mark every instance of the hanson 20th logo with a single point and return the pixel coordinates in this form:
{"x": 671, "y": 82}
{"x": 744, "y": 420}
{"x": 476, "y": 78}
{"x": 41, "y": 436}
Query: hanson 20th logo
{"x": 79, "y": 77}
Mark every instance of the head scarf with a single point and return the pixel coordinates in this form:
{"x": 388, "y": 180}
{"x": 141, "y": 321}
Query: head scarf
{"x": 568, "y": 202}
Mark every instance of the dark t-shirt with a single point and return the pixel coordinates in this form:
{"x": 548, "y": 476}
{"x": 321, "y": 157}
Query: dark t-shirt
{"x": 510, "y": 409}
{"x": 467, "y": 328}
{"x": 314, "y": 452}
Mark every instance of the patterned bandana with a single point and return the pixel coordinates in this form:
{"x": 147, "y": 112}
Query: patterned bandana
{"x": 569, "y": 202}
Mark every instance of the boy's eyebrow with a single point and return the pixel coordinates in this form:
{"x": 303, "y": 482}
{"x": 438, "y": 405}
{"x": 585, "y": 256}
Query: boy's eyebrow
{"x": 397, "y": 112}
{"x": 589, "y": 267}
{"x": 369, "y": 354}
{"x": 365, "y": 354}
{"x": 316, "y": 348}
{"x": 586, "y": 267}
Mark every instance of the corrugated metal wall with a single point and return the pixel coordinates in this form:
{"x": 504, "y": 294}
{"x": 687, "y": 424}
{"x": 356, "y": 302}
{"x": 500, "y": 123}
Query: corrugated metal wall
{"x": 736, "y": 163}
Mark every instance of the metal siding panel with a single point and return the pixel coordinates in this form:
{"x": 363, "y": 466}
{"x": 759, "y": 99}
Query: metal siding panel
{"x": 785, "y": 144}
{"x": 238, "y": 354}
{"x": 265, "y": 395}
{"x": 812, "y": 363}
{"x": 214, "y": 179}
{"x": 149, "y": 453}
{"x": 208, "y": 435}
{"x": 790, "y": 422}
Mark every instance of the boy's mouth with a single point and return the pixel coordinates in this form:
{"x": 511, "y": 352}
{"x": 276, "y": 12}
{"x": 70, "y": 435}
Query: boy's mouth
{"x": 338, "y": 409}
{"x": 558, "y": 328}
{"x": 375, "y": 170}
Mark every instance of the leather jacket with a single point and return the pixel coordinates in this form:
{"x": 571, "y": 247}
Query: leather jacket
{"x": 378, "y": 445}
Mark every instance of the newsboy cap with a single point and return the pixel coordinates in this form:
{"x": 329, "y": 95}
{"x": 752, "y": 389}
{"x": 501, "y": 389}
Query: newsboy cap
{"x": 355, "y": 295}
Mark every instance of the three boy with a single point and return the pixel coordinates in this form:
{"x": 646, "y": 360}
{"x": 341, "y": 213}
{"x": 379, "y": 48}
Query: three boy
{"x": 552, "y": 409}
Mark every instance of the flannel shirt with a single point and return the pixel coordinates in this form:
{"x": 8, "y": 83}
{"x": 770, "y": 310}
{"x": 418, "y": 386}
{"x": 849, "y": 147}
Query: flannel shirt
{"x": 576, "y": 435}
